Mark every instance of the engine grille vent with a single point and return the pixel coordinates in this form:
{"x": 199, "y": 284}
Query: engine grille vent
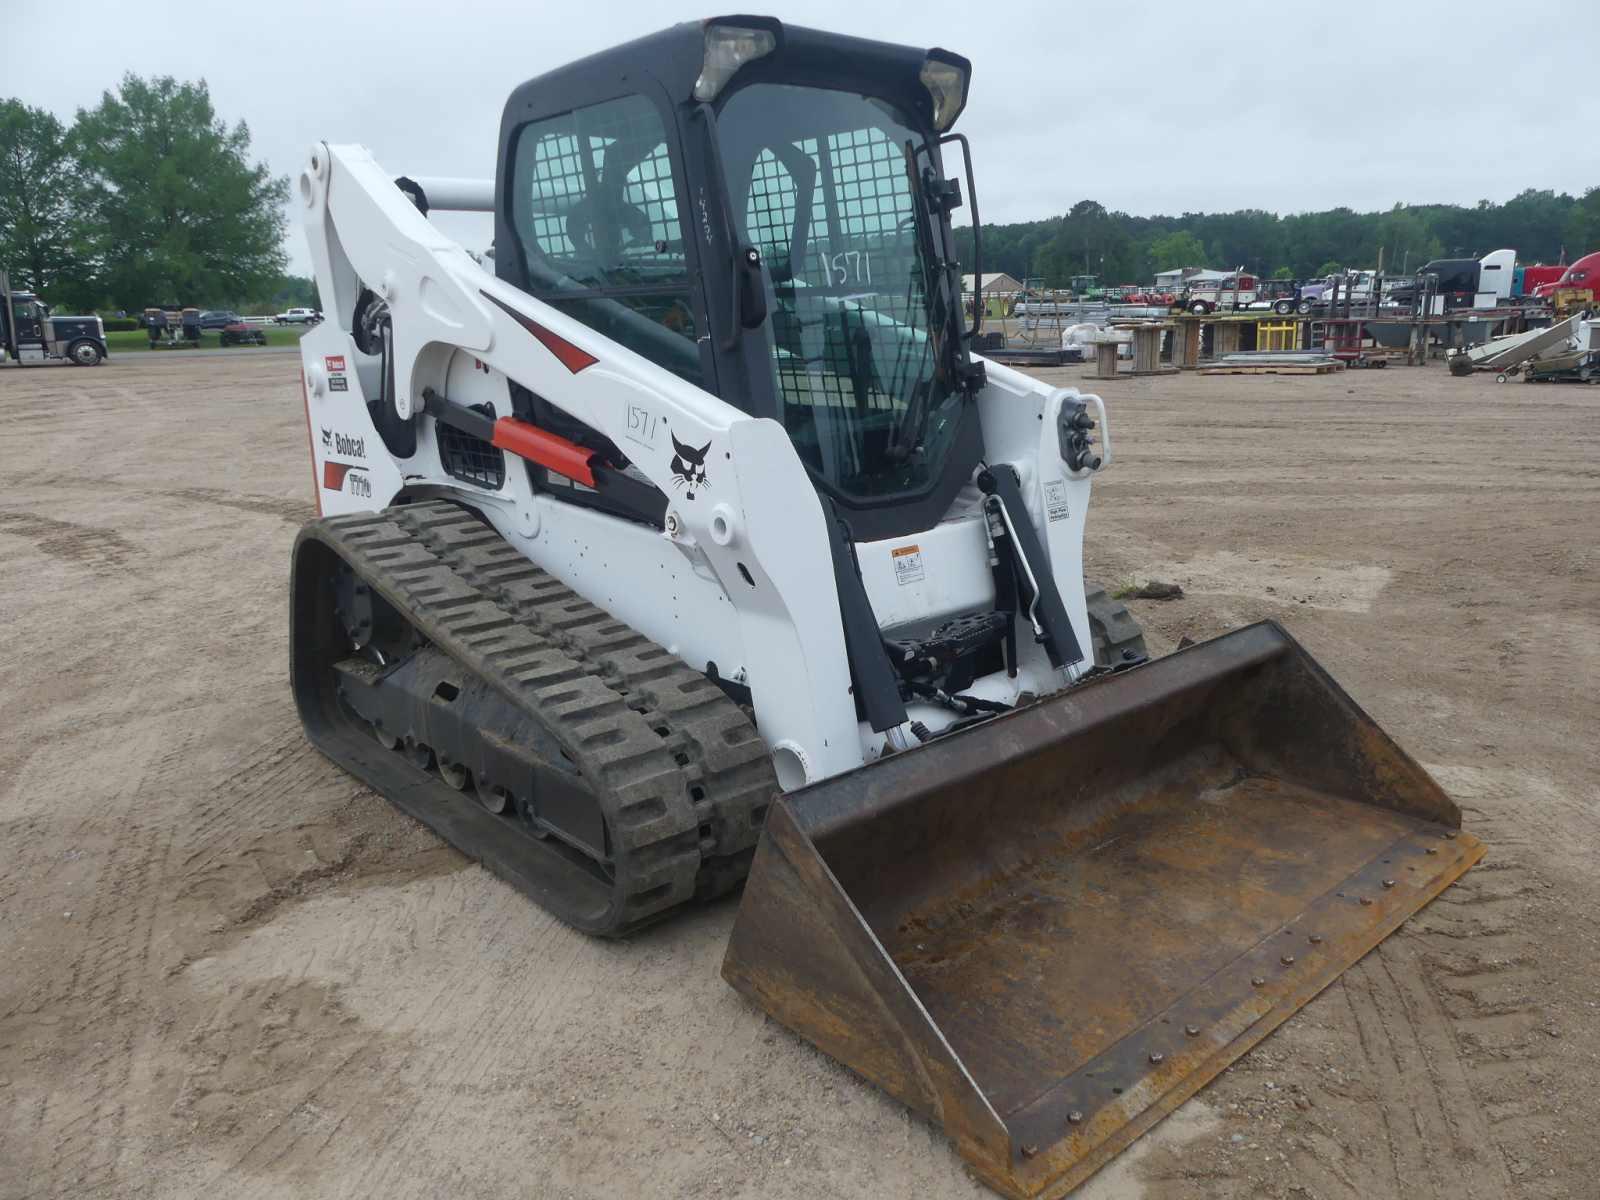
{"x": 471, "y": 459}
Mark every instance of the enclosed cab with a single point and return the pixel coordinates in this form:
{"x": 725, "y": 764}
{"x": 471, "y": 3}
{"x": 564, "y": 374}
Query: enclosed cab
{"x": 1230, "y": 292}
{"x": 1496, "y": 277}
{"x": 1277, "y": 294}
{"x": 1581, "y": 275}
{"x": 1455, "y": 282}
{"x": 1355, "y": 287}
{"x": 29, "y": 334}
{"x": 1528, "y": 280}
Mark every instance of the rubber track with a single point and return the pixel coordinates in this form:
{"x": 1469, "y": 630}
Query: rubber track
{"x": 726, "y": 768}
{"x": 543, "y": 648}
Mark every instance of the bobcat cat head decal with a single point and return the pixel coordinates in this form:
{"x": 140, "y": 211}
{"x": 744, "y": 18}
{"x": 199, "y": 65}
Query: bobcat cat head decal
{"x": 689, "y": 467}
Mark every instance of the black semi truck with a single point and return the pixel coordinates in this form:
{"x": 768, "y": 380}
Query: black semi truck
{"x": 29, "y": 334}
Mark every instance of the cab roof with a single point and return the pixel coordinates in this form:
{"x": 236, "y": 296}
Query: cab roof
{"x": 672, "y": 58}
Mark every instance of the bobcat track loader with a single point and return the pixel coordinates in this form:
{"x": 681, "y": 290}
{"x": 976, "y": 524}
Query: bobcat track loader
{"x": 690, "y": 542}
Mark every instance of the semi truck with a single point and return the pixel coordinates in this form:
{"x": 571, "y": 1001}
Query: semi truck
{"x": 1581, "y": 275}
{"x": 29, "y": 334}
{"x": 1465, "y": 282}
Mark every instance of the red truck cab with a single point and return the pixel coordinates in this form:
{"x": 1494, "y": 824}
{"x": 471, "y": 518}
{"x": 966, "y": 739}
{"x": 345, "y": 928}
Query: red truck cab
{"x": 1585, "y": 273}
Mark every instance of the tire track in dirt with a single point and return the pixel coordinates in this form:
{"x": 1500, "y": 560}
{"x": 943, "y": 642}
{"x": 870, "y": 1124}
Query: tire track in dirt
{"x": 102, "y": 550}
{"x": 280, "y": 826}
{"x": 1488, "y": 987}
{"x": 296, "y": 512}
{"x": 293, "y": 510}
{"x": 279, "y": 756}
{"x": 1426, "y": 1071}
{"x": 1448, "y": 1022}
{"x": 494, "y": 1006}
{"x": 103, "y": 989}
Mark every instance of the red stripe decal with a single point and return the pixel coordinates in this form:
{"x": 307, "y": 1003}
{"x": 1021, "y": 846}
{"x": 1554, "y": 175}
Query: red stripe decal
{"x": 311, "y": 449}
{"x": 570, "y": 356}
{"x": 545, "y": 448}
{"x": 333, "y": 474}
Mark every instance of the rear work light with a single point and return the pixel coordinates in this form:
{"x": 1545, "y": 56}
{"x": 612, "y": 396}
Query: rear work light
{"x": 729, "y": 47}
{"x": 947, "y": 87}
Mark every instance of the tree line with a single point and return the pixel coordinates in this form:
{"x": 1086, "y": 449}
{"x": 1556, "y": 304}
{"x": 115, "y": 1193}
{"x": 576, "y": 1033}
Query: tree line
{"x": 148, "y": 198}
{"x": 1542, "y": 226}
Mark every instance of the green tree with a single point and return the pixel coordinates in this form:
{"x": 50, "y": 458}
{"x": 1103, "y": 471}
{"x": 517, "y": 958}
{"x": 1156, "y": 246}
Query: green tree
{"x": 1283, "y": 273}
{"x": 180, "y": 214}
{"x": 1180, "y": 248}
{"x": 1088, "y": 241}
{"x": 1581, "y": 233}
{"x": 39, "y": 231}
{"x": 1406, "y": 240}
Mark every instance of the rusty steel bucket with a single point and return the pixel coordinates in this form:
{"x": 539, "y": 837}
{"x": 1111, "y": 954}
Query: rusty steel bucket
{"x": 1047, "y": 931}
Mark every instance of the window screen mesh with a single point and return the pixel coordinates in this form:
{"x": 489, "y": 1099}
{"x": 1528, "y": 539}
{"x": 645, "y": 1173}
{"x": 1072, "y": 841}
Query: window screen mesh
{"x": 595, "y": 207}
{"x": 867, "y": 347}
{"x": 822, "y": 183}
{"x": 595, "y": 199}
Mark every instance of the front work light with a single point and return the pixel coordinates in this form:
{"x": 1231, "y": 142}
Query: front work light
{"x": 947, "y": 86}
{"x": 729, "y": 47}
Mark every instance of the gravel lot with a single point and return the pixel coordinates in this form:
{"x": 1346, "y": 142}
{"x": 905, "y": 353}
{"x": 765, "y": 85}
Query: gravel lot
{"x": 226, "y": 969}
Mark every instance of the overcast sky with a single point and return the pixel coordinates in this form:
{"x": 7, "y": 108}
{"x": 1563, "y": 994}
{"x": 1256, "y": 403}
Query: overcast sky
{"x": 1144, "y": 105}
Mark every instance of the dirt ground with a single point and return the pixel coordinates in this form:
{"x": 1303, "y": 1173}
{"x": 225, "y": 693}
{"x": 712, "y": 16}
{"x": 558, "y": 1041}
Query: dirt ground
{"x": 227, "y": 970}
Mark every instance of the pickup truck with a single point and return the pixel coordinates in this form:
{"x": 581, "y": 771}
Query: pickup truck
{"x": 298, "y": 316}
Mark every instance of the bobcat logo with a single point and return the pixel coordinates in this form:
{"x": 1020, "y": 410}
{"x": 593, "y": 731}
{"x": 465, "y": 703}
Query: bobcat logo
{"x": 334, "y": 442}
{"x": 689, "y": 467}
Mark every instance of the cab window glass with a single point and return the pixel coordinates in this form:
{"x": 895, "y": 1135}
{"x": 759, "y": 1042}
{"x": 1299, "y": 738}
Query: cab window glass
{"x": 595, "y": 206}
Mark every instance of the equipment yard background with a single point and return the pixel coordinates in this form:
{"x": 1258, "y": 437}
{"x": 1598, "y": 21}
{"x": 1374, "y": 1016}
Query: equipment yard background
{"x": 228, "y": 970}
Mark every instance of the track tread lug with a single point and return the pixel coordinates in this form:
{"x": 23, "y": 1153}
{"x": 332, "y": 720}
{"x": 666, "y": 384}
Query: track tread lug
{"x": 567, "y": 662}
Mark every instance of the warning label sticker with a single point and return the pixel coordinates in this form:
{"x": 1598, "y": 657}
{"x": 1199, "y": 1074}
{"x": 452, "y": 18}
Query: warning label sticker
{"x": 1055, "y": 501}
{"x": 907, "y": 564}
{"x": 335, "y": 362}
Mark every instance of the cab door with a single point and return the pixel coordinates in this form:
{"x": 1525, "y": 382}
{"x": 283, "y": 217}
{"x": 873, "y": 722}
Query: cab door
{"x": 7, "y": 335}
{"x": 27, "y": 319}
